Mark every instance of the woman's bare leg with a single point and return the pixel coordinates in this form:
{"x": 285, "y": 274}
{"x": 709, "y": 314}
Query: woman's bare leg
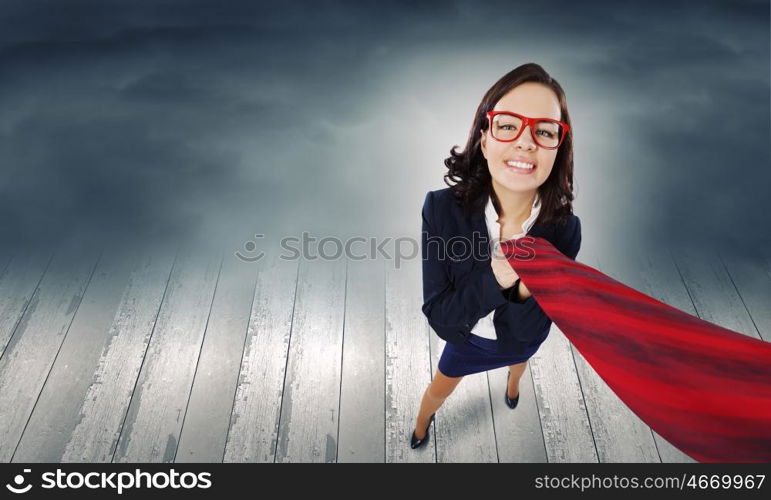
{"x": 516, "y": 373}
{"x": 436, "y": 392}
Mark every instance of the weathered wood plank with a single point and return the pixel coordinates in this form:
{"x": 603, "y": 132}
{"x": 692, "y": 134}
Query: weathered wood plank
{"x": 408, "y": 362}
{"x": 21, "y": 275}
{"x": 518, "y": 432}
{"x": 566, "y": 429}
{"x": 713, "y": 293}
{"x": 308, "y": 426}
{"x": 108, "y": 394}
{"x": 253, "y": 433}
{"x": 619, "y": 434}
{"x": 466, "y": 433}
{"x": 652, "y": 272}
{"x": 753, "y": 285}
{"x": 362, "y": 398}
{"x": 153, "y": 422}
{"x": 57, "y": 411}
{"x": 207, "y": 420}
{"x": 33, "y": 347}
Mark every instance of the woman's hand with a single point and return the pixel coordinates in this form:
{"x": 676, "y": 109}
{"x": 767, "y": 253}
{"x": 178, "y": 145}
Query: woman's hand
{"x": 504, "y": 273}
{"x": 524, "y": 293}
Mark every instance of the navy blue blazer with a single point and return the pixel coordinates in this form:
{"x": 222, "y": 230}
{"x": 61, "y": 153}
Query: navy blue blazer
{"x": 459, "y": 286}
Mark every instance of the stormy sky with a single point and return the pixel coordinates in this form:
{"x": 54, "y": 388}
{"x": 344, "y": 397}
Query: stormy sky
{"x": 236, "y": 118}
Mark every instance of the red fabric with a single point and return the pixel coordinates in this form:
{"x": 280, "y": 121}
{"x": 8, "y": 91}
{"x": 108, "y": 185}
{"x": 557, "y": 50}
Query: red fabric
{"x": 704, "y": 388}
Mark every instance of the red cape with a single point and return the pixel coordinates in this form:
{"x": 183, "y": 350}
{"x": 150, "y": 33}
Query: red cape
{"x": 704, "y": 388}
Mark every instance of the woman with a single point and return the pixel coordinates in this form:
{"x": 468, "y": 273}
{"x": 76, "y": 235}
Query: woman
{"x": 515, "y": 177}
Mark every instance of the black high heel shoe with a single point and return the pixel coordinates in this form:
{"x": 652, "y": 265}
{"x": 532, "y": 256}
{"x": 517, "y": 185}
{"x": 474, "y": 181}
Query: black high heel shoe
{"x": 414, "y": 441}
{"x": 511, "y": 403}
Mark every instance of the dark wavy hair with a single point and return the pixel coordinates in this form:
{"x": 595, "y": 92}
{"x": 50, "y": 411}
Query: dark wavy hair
{"x": 469, "y": 172}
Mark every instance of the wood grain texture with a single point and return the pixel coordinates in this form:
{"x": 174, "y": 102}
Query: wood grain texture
{"x": 316, "y": 361}
{"x": 518, "y": 432}
{"x": 753, "y": 285}
{"x": 465, "y": 432}
{"x": 20, "y": 278}
{"x": 566, "y": 429}
{"x": 154, "y": 419}
{"x": 619, "y": 434}
{"x": 207, "y": 419}
{"x": 362, "y": 392}
{"x": 32, "y": 350}
{"x": 311, "y": 398}
{"x": 713, "y": 293}
{"x": 254, "y": 423}
{"x": 107, "y": 397}
{"x": 408, "y": 362}
{"x": 650, "y": 271}
{"x": 58, "y": 408}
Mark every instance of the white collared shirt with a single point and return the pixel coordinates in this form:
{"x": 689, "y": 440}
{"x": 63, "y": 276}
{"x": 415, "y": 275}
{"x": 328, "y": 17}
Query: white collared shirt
{"x": 485, "y": 327}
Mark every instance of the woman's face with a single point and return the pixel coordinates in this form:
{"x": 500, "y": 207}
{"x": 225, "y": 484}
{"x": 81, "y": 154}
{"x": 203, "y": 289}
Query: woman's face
{"x": 533, "y": 100}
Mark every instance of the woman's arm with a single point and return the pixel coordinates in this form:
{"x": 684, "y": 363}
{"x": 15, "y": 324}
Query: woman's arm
{"x": 517, "y": 321}
{"x": 453, "y": 307}
{"x": 571, "y": 250}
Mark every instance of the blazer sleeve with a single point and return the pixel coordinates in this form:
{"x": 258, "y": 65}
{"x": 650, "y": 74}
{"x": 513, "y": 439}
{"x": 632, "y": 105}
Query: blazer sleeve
{"x": 453, "y": 307}
{"x": 573, "y": 241}
{"x": 526, "y": 319}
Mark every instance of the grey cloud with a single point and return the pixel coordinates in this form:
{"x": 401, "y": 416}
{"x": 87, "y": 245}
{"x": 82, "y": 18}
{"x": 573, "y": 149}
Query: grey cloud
{"x": 244, "y": 117}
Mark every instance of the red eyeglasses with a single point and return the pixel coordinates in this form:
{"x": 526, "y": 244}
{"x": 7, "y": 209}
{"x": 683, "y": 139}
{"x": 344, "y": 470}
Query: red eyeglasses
{"x": 506, "y": 126}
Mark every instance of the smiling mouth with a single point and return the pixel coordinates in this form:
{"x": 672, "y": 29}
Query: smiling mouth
{"x": 520, "y": 166}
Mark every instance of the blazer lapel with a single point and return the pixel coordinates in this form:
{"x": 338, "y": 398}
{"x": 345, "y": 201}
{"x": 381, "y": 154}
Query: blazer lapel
{"x": 481, "y": 251}
{"x": 479, "y": 238}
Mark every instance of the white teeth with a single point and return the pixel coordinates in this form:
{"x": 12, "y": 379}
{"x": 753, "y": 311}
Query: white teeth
{"x": 520, "y": 164}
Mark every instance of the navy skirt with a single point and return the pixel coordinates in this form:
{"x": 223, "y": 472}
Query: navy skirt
{"x": 478, "y": 354}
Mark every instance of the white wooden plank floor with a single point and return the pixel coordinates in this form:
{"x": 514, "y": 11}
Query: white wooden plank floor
{"x": 186, "y": 355}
